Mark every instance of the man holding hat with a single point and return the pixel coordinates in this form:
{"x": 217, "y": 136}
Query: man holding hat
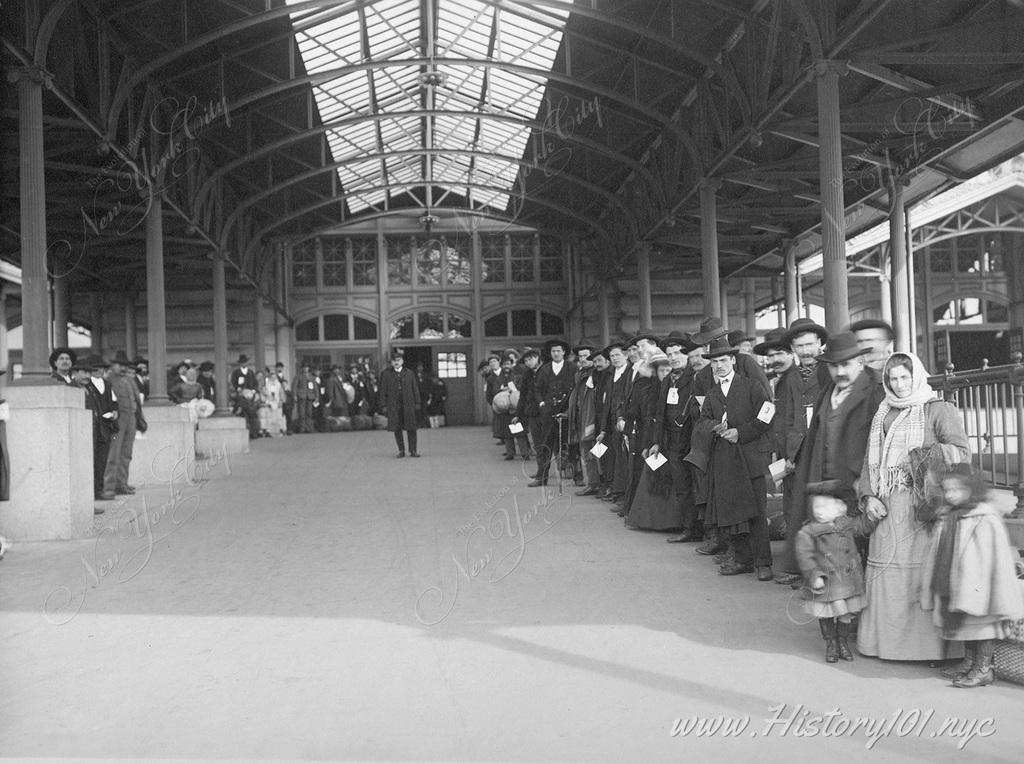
{"x": 552, "y": 387}
{"x": 837, "y": 438}
{"x": 400, "y": 401}
{"x": 736, "y": 417}
{"x": 61, "y": 361}
{"x": 130, "y": 420}
{"x": 877, "y": 337}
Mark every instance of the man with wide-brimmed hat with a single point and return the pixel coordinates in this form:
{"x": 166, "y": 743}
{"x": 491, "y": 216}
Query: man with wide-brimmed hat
{"x": 876, "y": 336}
{"x": 99, "y": 399}
{"x": 552, "y": 387}
{"x": 527, "y": 412}
{"x": 61, "y": 361}
{"x": 130, "y": 420}
{"x": 742, "y": 341}
{"x": 837, "y": 438}
{"x": 142, "y": 377}
{"x": 734, "y": 423}
{"x": 673, "y": 428}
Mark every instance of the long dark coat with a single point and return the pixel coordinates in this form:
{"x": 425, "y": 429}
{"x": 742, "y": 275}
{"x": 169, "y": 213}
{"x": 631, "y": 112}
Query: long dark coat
{"x": 793, "y": 391}
{"x": 852, "y": 439}
{"x": 399, "y": 398}
{"x": 828, "y": 550}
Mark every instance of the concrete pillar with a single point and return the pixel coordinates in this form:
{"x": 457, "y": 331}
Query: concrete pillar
{"x": 749, "y": 306}
{"x": 131, "y": 331}
{"x": 96, "y": 324}
{"x": 833, "y": 220}
{"x": 709, "y": 249}
{"x": 792, "y": 283}
{"x": 35, "y": 300}
{"x": 156, "y": 314}
{"x": 61, "y": 310}
{"x": 220, "y": 335}
{"x": 602, "y": 313}
{"x": 643, "y": 276}
{"x": 898, "y": 279}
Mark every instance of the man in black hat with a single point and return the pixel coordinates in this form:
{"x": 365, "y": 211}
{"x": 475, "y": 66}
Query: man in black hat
{"x": 673, "y": 428}
{"x": 527, "y": 412}
{"x": 735, "y": 419}
{"x": 244, "y": 387}
{"x": 877, "y": 337}
{"x": 400, "y": 401}
{"x": 306, "y": 393}
{"x": 61, "y": 361}
{"x": 207, "y": 382}
{"x": 584, "y": 411}
{"x": 742, "y": 341}
{"x": 130, "y": 420}
{"x": 142, "y": 376}
{"x": 746, "y": 366}
{"x": 838, "y": 434}
{"x": 615, "y": 460}
{"x": 552, "y": 387}
{"x": 100, "y": 401}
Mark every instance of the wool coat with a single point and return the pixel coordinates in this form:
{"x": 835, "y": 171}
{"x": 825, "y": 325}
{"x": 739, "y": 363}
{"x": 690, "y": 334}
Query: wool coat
{"x": 828, "y": 550}
{"x": 399, "y": 398}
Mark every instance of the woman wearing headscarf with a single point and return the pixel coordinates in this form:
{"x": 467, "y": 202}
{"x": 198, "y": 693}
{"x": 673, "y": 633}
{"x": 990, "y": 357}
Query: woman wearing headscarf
{"x": 911, "y": 430}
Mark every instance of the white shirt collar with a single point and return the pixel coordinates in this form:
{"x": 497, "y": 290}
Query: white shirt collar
{"x": 726, "y": 381}
{"x": 557, "y": 367}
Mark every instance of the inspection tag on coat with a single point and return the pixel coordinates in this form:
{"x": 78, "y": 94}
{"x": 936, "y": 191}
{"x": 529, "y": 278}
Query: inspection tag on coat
{"x": 767, "y": 412}
{"x": 673, "y": 396}
{"x": 590, "y": 382}
{"x": 515, "y": 428}
{"x": 598, "y": 450}
{"x": 654, "y": 461}
{"x": 700, "y": 400}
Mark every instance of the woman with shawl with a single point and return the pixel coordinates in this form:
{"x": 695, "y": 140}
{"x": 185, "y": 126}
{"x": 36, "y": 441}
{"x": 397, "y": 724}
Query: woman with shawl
{"x": 910, "y": 429}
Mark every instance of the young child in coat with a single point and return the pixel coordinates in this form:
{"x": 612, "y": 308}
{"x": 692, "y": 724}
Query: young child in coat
{"x": 969, "y": 577}
{"x": 830, "y": 563}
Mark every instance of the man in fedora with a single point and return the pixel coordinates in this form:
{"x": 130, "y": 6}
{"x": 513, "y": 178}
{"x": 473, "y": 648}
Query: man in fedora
{"x": 552, "y": 386}
{"x": 243, "y": 384}
{"x": 130, "y": 420}
{"x": 837, "y": 438}
{"x": 61, "y": 361}
{"x": 584, "y": 411}
{"x": 673, "y": 428}
{"x": 99, "y": 399}
{"x": 877, "y": 337}
{"x": 742, "y": 341}
{"x": 736, "y": 417}
{"x": 400, "y": 401}
{"x": 746, "y": 366}
{"x": 142, "y": 377}
{"x": 613, "y": 394}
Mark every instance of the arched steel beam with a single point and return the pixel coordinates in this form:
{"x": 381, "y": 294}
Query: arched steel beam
{"x": 46, "y": 30}
{"x": 146, "y": 70}
{"x": 263, "y": 232}
{"x": 806, "y": 20}
{"x": 270, "y": 148}
{"x": 244, "y": 204}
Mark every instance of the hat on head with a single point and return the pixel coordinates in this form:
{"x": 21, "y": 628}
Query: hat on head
{"x": 186, "y": 364}
{"x": 837, "y": 489}
{"x": 120, "y": 357}
{"x": 658, "y": 358}
{"x": 775, "y": 339}
{"x": 57, "y": 353}
{"x": 616, "y": 344}
{"x": 736, "y": 336}
{"x": 242, "y": 359}
{"x": 872, "y": 323}
{"x": 206, "y": 366}
{"x": 645, "y": 334}
{"x": 803, "y": 326}
{"x": 710, "y": 329}
{"x": 683, "y": 339}
{"x": 93, "y": 362}
{"x": 139, "y": 360}
{"x": 720, "y": 347}
{"x": 552, "y": 343}
{"x": 510, "y": 351}
{"x": 842, "y": 347}
{"x": 584, "y": 344}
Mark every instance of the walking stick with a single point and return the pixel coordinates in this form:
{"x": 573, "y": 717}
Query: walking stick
{"x": 558, "y": 465}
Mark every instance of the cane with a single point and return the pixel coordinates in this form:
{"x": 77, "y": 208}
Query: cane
{"x": 558, "y": 465}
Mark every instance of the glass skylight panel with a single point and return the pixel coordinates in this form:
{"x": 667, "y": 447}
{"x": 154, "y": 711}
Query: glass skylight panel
{"x": 329, "y": 40}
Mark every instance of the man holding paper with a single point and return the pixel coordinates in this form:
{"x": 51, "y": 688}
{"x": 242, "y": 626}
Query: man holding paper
{"x": 738, "y": 415}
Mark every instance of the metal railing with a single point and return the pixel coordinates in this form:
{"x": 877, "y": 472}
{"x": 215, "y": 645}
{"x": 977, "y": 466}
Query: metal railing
{"x": 991, "y": 401}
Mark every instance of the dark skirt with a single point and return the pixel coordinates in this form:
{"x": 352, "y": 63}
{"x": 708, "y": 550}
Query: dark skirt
{"x": 655, "y": 505}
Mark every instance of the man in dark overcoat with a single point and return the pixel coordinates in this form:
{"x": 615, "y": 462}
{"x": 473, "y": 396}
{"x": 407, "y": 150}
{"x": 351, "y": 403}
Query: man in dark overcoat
{"x": 243, "y": 383}
{"x": 552, "y": 386}
{"x": 838, "y": 435}
{"x": 737, "y": 416}
{"x": 130, "y": 420}
{"x": 613, "y": 393}
{"x": 400, "y": 401}
{"x": 99, "y": 399}
{"x": 527, "y": 412}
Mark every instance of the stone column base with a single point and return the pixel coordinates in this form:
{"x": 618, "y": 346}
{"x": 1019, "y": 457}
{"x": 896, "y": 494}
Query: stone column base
{"x": 49, "y": 437}
{"x": 218, "y": 435}
{"x": 166, "y": 452}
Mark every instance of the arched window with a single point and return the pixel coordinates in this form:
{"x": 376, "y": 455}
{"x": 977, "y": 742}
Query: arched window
{"x": 431, "y": 324}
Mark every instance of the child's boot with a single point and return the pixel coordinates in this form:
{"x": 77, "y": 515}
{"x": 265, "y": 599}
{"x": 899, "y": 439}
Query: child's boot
{"x": 842, "y": 646}
{"x": 961, "y": 669}
{"x": 982, "y": 672}
{"x": 828, "y": 632}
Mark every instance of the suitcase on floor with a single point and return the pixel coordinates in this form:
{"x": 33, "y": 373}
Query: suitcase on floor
{"x": 338, "y": 423}
{"x": 362, "y": 422}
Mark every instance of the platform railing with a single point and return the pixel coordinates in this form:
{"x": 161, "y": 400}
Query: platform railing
{"x": 991, "y": 402}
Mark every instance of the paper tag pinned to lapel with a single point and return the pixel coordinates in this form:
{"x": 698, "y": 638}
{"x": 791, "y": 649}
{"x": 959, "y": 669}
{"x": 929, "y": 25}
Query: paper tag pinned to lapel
{"x": 700, "y": 400}
{"x": 673, "y": 396}
{"x": 767, "y": 412}
{"x": 590, "y": 382}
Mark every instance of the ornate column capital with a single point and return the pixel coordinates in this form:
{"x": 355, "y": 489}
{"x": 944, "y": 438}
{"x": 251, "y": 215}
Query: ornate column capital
{"x": 825, "y": 66}
{"x": 712, "y": 184}
{"x": 31, "y": 73}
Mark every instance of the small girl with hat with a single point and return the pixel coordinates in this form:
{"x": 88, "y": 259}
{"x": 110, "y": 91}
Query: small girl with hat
{"x": 833, "y": 589}
{"x": 969, "y": 577}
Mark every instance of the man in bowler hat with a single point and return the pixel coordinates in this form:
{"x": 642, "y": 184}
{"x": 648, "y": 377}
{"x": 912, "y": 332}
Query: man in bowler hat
{"x": 400, "y": 401}
{"x": 130, "y": 420}
{"x": 552, "y": 387}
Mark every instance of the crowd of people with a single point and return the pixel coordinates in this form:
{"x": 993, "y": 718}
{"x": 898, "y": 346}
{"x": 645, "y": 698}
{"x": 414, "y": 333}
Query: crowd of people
{"x": 888, "y": 535}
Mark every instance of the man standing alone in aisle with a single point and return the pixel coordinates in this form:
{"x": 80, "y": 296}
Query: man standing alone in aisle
{"x": 400, "y": 401}
{"x": 130, "y": 420}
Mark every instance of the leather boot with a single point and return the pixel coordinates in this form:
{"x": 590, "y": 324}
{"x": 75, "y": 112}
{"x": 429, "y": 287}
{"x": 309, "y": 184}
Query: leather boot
{"x": 961, "y": 669}
{"x": 828, "y": 632}
{"x": 982, "y": 672}
{"x": 842, "y": 646}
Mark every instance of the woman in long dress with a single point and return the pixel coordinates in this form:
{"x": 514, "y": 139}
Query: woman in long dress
{"x": 272, "y": 420}
{"x": 909, "y": 423}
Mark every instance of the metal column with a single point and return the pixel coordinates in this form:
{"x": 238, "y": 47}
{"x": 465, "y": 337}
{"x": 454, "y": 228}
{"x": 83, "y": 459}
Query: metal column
{"x": 156, "y": 315}
{"x": 220, "y": 336}
{"x": 899, "y": 284}
{"x": 833, "y": 220}
{"x": 709, "y": 248}
{"x": 643, "y": 275}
